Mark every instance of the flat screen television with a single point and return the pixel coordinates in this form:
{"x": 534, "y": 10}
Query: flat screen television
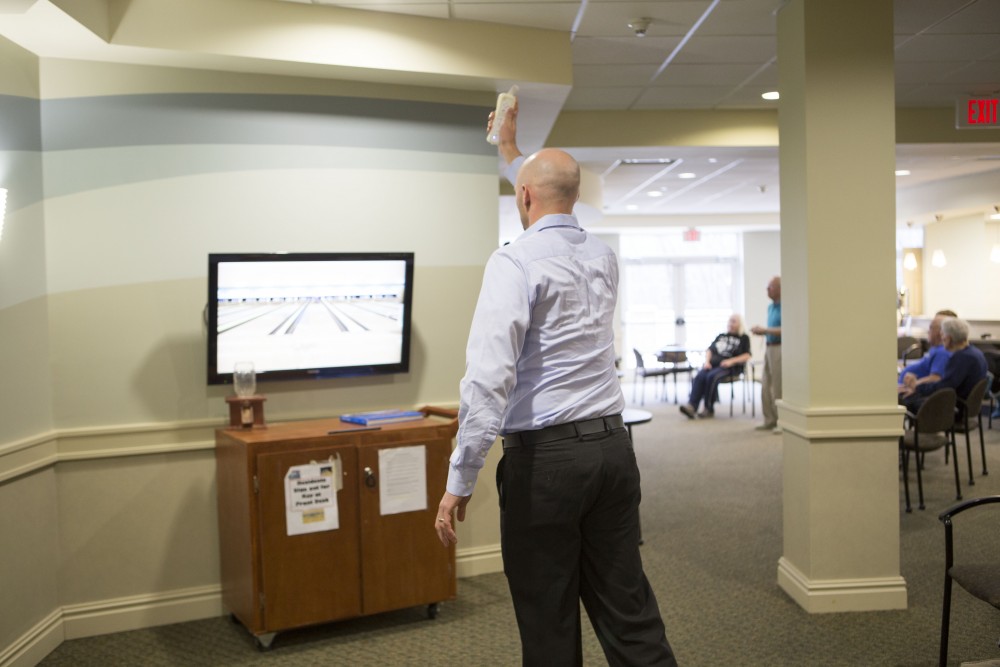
{"x": 309, "y": 315}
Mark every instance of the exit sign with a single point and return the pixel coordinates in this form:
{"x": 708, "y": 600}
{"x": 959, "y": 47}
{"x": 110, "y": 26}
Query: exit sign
{"x": 972, "y": 113}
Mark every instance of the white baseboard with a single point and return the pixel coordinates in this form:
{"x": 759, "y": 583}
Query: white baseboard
{"x": 481, "y": 560}
{"x": 142, "y": 611}
{"x": 35, "y": 644}
{"x": 839, "y": 595}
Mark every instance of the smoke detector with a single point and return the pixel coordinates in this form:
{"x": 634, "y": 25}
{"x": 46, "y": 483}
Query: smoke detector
{"x": 640, "y": 26}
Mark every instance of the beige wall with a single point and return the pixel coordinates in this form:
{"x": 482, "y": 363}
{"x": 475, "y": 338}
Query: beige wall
{"x": 28, "y": 495}
{"x": 966, "y": 283}
{"x": 761, "y": 262}
{"x": 106, "y": 446}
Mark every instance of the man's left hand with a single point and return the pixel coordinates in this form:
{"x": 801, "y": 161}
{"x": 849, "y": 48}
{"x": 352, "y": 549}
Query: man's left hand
{"x": 443, "y": 524}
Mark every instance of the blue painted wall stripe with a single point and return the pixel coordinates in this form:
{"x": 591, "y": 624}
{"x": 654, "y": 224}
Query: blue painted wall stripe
{"x": 210, "y": 118}
{"x": 20, "y": 125}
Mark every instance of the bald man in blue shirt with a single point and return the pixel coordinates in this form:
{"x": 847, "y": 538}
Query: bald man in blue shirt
{"x": 540, "y": 371}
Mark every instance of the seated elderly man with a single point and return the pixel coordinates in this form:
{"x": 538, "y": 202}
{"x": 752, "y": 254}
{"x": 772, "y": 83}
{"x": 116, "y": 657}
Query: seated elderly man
{"x": 966, "y": 367}
{"x": 931, "y": 366}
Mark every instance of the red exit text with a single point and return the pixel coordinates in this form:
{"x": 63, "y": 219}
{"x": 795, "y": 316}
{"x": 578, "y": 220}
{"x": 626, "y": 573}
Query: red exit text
{"x": 982, "y": 112}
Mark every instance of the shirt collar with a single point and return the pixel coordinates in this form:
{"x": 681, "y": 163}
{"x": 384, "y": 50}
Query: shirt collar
{"x": 549, "y": 221}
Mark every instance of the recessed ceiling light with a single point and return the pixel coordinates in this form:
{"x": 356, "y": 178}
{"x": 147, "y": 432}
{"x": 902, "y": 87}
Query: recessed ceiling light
{"x": 654, "y": 193}
{"x": 632, "y": 207}
{"x": 771, "y": 95}
{"x": 902, "y": 172}
{"x": 686, "y": 174}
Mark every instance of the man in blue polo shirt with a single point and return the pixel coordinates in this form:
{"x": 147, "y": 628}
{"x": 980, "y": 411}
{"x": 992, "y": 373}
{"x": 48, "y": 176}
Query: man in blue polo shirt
{"x": 770, "y": 386}
{"x": 931, "y": 366}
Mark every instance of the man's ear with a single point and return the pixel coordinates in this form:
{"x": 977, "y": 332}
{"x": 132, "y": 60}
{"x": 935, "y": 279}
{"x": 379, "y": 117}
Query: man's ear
{"x": 526, "y": 197}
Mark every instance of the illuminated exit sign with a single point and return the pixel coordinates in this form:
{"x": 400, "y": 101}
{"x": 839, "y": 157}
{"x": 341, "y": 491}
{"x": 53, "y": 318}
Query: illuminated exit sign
{"x": 973, "y": 113}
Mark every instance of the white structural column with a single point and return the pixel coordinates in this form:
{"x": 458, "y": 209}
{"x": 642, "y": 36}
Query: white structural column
{"x": 838, "y": 411}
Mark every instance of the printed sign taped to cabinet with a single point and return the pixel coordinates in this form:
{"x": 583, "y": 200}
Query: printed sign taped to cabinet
{"x": 311, "y": 498}
{"x": 403, "y": 483}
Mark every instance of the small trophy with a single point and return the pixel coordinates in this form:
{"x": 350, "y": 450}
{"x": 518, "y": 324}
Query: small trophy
{"x": 246, "y": 409}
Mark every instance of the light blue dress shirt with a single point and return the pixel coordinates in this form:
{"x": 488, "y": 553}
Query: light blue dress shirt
{"x": 541, "y": 347}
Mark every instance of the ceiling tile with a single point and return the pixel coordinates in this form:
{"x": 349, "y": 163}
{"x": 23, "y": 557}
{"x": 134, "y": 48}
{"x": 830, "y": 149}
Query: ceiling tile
{"x": 612, "y": 75}
{"x": 622, "y": 50}
{"x": 913, "y": 16}
{"x": 681, "y": 97}
{"x": 747, "y": 17}
{"x": 601, "y": 97}
{"x": 934, "y": 95}
{"x": 611, "y": 19}
{"x": 910, "y": 73}
{"x": 975, "y": 18}
{"x": 716, "y": 74}
{"x": 736, "y": 49}
{"x": 945, "y": 48}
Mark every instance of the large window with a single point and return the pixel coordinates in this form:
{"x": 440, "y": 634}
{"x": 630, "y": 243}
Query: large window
{"x": 677, "y": 292}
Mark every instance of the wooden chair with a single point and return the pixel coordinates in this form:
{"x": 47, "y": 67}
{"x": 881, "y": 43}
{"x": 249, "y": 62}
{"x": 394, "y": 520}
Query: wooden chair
{"x": 930, "y": 429}
{"x": 981, "y": 579}
{"x": 642, "y": 372}
{"x": 970, "y": 418}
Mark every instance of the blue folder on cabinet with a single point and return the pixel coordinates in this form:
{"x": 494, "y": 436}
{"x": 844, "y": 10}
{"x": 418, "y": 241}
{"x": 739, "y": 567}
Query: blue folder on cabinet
{"x": 382, "y": 417}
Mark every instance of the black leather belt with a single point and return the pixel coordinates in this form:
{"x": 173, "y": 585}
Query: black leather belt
{"x": 563, "y": 431}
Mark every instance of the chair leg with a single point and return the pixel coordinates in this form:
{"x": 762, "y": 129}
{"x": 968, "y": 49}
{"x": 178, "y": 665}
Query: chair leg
{"x": 982, "y": 444}
{"x": 958, "y": 487}
{"x": 945, "y": 617}
{"x": 906, "y": 478}
{"x": 968, "y": 453}
{"x": 920, "y": 478}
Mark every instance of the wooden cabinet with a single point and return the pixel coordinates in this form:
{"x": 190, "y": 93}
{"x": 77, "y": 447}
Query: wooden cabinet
{"x": 272, "y": 581}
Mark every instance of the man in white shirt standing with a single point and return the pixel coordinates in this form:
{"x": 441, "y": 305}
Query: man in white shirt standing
{"x": 540, "y": 372}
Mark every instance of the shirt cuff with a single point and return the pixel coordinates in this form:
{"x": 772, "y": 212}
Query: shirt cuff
{"x": 461, "y": 482}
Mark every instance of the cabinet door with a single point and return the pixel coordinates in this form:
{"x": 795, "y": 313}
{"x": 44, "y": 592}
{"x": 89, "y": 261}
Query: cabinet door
{"x": 309, "y": 578}
{"x": 403, "y": 563}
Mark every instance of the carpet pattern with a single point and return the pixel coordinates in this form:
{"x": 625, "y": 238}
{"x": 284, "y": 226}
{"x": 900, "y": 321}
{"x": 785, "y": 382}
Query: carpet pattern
{"x": 711, "y": 519}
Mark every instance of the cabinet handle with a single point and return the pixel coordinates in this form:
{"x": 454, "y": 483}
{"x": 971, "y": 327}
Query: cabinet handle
{"x": 369, "y": 478}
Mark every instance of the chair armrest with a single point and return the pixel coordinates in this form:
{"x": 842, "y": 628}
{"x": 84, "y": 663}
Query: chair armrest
{"x": 967, "y": 504}
{"x": 946, "y": 516}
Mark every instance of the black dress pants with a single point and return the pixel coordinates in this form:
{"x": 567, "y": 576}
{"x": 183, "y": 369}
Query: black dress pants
{"x": 569, "y": 525}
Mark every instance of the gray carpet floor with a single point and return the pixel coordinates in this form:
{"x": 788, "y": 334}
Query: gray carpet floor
{"x": 711, "y": 518}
